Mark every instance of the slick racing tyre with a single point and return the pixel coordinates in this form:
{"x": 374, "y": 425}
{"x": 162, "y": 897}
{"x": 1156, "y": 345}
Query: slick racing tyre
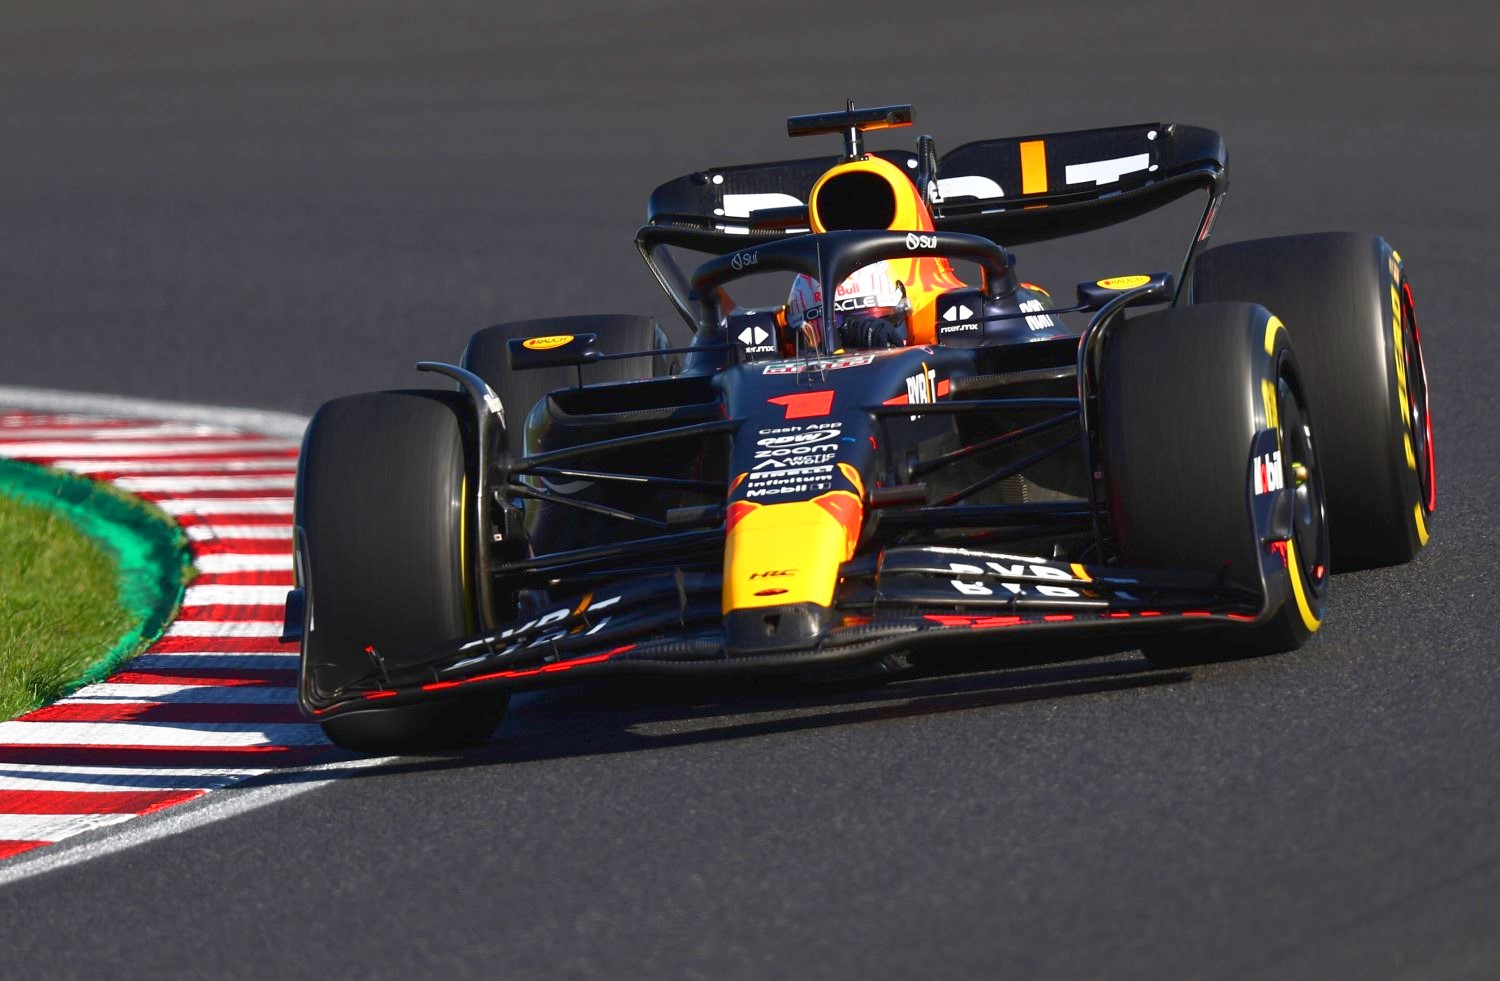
{"x": 381, "y": 513}
{"x": 487, "y": 357}
{"x": 1347, "y": 303}
{"x": 1196, "y": 403}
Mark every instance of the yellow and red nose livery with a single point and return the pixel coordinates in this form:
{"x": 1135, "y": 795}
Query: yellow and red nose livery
{"x": 851, "y": 195}
{"x": 788, "y": 553}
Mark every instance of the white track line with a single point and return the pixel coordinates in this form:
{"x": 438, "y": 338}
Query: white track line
{"x": 226, "y": 506}
{"x": 117, "y": 407}
{"x": 227, "y": 562}
{"x": 234, "y": 595}
{"x": 84, "y": 770}
{"x": 179, "y": 694}
{"x": 209, "y": 809}
{"x": 197, "y": 735}
{"x": 219, "y": 628}
{"x": 54, "y": 827}
{"x": 213, "y": 533}
{"x": 94, "y": 782}
{"x": 124, "y": 449}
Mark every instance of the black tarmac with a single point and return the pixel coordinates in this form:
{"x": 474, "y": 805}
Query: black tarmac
{"x": 271, "y": 204}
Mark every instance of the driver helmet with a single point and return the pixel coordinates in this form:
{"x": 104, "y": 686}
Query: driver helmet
{"x": 869, "y": 293}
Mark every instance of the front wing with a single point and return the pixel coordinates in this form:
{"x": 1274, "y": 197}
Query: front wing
{"x": 911, "y": 600}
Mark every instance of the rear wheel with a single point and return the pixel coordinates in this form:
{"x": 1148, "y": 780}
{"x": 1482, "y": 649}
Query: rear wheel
{"x": 1194, "y": 402}
{"x": 382, "y": 511}
{"x": 1346, "y": 299}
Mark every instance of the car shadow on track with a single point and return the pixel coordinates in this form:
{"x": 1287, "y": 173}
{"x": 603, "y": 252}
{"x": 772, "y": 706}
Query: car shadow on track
{"x": 624, "y": 718}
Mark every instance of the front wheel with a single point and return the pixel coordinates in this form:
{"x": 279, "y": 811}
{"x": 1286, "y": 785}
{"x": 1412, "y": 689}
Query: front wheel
{"x": 382, "y": 514}
{"x": 1205, "y": 431}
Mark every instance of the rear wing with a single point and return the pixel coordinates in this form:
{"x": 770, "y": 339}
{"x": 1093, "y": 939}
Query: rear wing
{"x": 1033, "y": 188}
{"x": 1015, "y": 190}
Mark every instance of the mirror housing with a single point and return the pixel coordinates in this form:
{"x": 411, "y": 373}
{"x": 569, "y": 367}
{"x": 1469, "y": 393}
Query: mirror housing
{"x": 552, "y": 351}
{"x": 1092, "y": 296}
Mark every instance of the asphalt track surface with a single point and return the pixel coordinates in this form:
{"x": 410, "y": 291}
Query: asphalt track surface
{"x": 276, "y": 203}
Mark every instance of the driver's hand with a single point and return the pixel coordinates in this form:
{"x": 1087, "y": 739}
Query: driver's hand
{"x": 872, "y": 332}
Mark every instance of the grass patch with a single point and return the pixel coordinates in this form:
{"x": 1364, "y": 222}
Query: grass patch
{"x": 59, "y": 610}
{"x": 88, "y": 577}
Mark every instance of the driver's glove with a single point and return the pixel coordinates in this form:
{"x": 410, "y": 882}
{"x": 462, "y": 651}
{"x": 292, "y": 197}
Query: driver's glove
{"x": 872, "y": 332}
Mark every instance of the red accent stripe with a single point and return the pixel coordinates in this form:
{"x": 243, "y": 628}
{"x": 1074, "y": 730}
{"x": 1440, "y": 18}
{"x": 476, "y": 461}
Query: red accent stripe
{"x": 9, "y": 848}
{"x": 1431, "y": 502}
{"x": 233, "y": 612}
{"x": 249, "y": 712}
{"x": 848, "y": 511}
{"x": 1280, "y": 549}
{"x": 218, "y": 677}
{"x": 281, "y": 577}
{"x": 737, "y": 511}
{"x": 257, "y": 465}
{"x": 243, "y": 546}
{"x": 948, "y": 620}
{"x": 222, "y": 645}
{"x": 156, "y": 497}
{"x": 91, "y": 802}
{"x": 523, "y": 673}
{"x": 805, "y": 405}
{"x": 234, "y": 519}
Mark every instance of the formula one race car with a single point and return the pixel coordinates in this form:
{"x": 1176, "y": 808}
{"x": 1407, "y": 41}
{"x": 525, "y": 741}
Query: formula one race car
{"x": 890, "y": 462}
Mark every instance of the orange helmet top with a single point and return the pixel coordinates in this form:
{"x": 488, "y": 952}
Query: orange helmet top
{"x": 873, "y": 193}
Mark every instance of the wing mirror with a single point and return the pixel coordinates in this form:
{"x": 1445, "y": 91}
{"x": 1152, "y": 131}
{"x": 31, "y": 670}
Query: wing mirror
{"x": 1155, "y": 288}
{"x": 552, "y": 351}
